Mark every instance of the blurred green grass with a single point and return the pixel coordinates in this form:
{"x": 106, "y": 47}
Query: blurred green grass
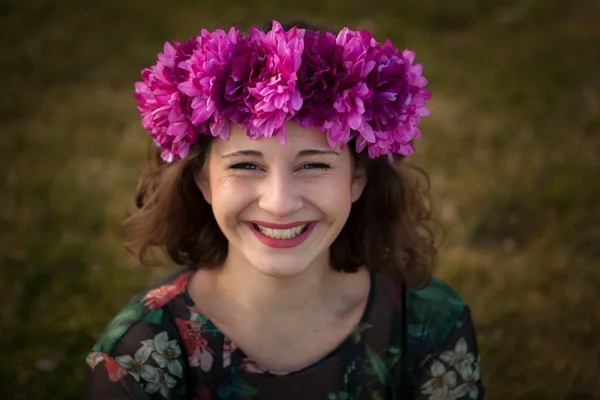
{"x": 512, "y": 148}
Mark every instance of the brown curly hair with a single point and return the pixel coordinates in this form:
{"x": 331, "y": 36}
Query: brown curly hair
{"x": 388, "y": 229}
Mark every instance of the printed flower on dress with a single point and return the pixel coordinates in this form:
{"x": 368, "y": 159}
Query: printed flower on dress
{"x": 199, "y": 353}
{"x": 252, "y": 367}
{"x": 113, "y": 368}
{"x": 157, "y": 380}
{"x": 94, "y": 358}
{"x": 439, "y": 386}
{"x": 228, "y": 348}
{"x": 158, "y": 297}
{"x": 150, "y": 361}
{"x": 166, "y": 354}
{"x": 445, "y": 384}
{"x": 471, "y": 374}
{"x": 135, "y": 364}
{"x": 460, "y": 358}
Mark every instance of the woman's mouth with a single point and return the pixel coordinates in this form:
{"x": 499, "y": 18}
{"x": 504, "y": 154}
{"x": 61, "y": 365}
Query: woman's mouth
{"x": 282, "y": 236}
{"x": 289, "y": 233}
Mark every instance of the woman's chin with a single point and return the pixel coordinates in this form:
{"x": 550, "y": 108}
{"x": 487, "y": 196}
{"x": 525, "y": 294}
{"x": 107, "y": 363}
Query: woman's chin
{"x": 279, "y": 269}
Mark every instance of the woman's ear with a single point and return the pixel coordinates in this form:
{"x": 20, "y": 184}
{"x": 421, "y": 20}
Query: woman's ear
{"x": 203, "y": 184}
{"x": 359, "y": 181}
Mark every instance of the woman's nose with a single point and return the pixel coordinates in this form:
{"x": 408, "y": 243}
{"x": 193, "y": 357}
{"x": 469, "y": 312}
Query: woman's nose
{"x": 280, "y": 196}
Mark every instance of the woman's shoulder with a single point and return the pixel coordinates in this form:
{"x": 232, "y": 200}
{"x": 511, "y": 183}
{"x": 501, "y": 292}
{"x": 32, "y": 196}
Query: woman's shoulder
{"x": 139, "y": 353}
{"x": 434, "y": 311}
{"x": 144, "y": 315}
{"x": 436, "y": 296}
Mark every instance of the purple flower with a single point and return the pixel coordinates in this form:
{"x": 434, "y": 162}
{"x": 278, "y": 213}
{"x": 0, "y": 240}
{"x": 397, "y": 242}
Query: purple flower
{"x": 321, "y": 64}
{"x": 348, "y": 86}
{"x": 333, "y": 73}
{"x": 184, "y": 52}
{"x": 397, "y": 103}
{"x": 163, "y": 109}
{"x": 262, "y": 84}
{"x": 206, "y": 74}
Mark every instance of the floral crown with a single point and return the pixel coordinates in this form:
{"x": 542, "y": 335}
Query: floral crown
{"x": 347, "y": 86}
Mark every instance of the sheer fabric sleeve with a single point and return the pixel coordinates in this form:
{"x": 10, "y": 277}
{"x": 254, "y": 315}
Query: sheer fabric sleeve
{"x": 108, "y": 380}
{"x": 145, "y": 364}
{"x": 452, "y": 371}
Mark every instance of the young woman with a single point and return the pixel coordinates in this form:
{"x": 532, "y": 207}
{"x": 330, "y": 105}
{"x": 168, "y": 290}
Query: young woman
{"x": 282, "y": 188}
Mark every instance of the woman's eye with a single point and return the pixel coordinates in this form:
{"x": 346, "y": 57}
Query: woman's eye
{"x": 244, "y": 166}
{"x": 315, "y": 166}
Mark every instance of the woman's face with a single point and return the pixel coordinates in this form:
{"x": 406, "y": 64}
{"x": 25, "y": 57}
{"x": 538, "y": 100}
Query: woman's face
{"x": 280, "y": 206}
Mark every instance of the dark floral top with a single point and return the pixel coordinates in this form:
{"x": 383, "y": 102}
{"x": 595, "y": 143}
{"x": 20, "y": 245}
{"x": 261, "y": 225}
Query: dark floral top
{"x": 413, "y": 344}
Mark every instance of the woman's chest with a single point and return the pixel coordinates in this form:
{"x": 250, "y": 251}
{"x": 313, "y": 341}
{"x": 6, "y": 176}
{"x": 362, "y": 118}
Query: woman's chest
{"x": 291, "y": 347}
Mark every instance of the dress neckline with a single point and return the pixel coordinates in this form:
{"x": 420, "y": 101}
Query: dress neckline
{"x": 345, "y": 343}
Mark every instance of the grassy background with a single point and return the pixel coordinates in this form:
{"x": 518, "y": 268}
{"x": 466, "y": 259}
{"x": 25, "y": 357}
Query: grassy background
{"x": 512, "y": 148}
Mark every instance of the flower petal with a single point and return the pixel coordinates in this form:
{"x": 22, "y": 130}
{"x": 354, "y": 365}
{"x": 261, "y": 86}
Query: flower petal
{"x": 149, "y": 373}
{"x": 448, "y": 357}
{"x": 160, "y": 341}
{"x": 206, "y": 361}
{"x": 143, "y": 353}
{"x": 160, "y": 359}
{"x": 175, "y": 368}
{"x": 437, "y": 368}
{"x": 450, "y": 379}
{"x": 461, "y": 347}
{"x": 458, "y": 392}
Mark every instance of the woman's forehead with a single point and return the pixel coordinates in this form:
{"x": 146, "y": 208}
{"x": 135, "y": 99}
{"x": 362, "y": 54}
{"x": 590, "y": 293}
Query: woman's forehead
{"x": 297, "y": 138}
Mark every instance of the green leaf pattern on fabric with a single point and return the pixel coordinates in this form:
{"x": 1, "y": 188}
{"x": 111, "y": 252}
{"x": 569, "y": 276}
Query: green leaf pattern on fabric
{"x": 436, "y": 307}
{"x": 376, "y": 366}
{"x": 119, "y": 326}
{"x": 357, "y": 332}
{"x": 154, "y": 316}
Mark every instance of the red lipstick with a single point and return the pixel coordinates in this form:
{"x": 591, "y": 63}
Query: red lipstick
{"x": 281, "y": 226}
{"x": 281, "y": 243}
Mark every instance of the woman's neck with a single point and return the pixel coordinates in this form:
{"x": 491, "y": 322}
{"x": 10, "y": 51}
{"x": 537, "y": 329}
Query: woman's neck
{"x": 247, "y": 288}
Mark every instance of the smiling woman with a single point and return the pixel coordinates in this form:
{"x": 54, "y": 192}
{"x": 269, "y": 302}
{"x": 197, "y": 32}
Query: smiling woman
{"x": 283, "y": 190}
{"x": 262, "y": 190}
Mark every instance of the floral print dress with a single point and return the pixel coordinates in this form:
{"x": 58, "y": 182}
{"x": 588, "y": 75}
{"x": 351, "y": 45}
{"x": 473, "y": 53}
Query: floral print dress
{"x": 413, "y": 344}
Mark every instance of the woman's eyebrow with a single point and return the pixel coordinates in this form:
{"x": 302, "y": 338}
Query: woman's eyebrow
{"x": 247, "y": 153}
{"x": 315, "y": 152}
{"x": 301, "y": 153}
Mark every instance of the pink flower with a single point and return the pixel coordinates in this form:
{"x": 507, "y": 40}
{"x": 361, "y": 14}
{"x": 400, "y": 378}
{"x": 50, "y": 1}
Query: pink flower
{"x": 348, "y": 86}
{"x": 352, "y": 90}
{"x": 163, "y": 109}
{"x": 263, "y": 81}
{"x": 321, "y": 64}
{"x": 397, "y": 104}
{"x": 228, "y": 348}
{"x": 333, "y": 74}
{"x": 207, "y": 70}
{"x": 200, "y": 354}
{"x": 252, "y": 367}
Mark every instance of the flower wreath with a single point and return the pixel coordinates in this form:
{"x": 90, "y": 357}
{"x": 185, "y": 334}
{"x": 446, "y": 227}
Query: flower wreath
{"x": 347, "y": 86}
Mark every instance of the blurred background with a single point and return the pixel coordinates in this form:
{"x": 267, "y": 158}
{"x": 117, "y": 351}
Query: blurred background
{"x": 512, "y": 146}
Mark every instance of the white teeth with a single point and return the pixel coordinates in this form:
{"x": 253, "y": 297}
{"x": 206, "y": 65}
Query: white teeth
{"x": 281, "y": 233}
